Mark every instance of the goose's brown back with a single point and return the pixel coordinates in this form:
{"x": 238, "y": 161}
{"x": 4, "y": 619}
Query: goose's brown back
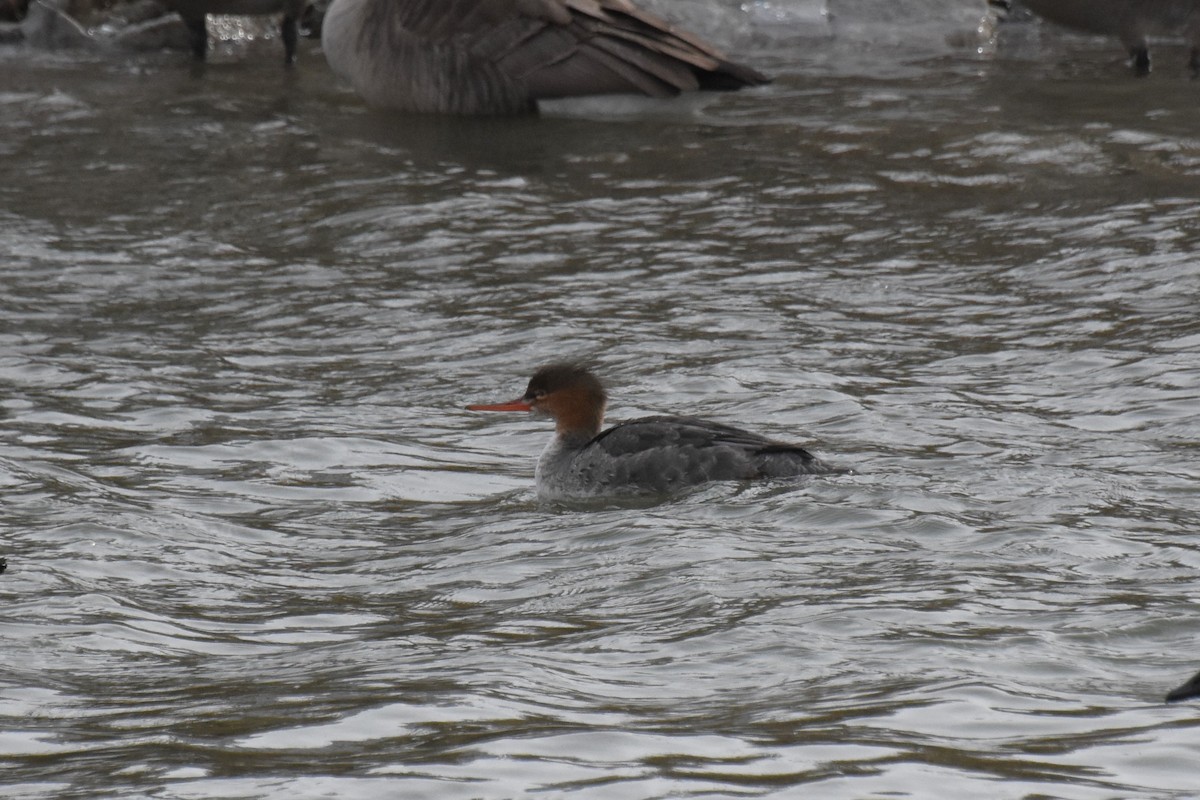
{"x": 502, "y": 56}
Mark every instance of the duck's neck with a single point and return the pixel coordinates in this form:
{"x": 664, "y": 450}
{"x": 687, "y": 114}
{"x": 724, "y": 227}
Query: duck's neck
{"x": 578, "y": 418}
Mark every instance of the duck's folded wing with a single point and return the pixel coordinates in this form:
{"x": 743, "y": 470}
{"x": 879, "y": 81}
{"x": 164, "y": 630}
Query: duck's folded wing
{"x": 665, "y": 452}
{"x": 671, "y": 432}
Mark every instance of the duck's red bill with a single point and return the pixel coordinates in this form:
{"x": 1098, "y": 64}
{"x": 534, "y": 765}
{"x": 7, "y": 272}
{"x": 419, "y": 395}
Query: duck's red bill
{"x": 512, "y": 405}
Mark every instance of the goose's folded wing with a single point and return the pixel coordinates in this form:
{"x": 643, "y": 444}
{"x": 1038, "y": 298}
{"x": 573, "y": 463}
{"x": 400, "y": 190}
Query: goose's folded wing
{"x": 561, "y": 48}
{"x": 501, "y": 56}
{"x": 444, "y": 19}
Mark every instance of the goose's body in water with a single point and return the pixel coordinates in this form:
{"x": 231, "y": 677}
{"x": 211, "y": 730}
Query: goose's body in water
{"x": 503, "y": 56}
{"x": 1134, "y": 22}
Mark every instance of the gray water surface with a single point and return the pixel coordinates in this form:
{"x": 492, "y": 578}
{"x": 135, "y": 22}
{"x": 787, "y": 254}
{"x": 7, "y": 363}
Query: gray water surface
{"x": 257, "y": 548}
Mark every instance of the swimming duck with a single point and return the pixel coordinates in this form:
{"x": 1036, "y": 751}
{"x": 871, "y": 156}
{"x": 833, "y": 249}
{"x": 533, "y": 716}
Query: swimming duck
{"x": 651, "y": 455}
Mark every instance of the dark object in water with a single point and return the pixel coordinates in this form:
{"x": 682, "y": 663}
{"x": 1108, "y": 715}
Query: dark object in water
{"x": 1190, "y": 688}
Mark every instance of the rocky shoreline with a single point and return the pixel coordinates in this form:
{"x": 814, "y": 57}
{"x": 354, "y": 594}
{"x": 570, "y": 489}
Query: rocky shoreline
{"x": 128, "y": 25}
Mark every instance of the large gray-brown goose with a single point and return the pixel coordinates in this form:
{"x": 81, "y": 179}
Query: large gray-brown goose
{"x": 503, "y": 56}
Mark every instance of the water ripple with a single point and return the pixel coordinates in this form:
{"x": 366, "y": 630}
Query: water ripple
{"x": 257, "y": 548}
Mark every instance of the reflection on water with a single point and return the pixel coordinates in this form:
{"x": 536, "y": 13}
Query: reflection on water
{"x": 257, "y": 549}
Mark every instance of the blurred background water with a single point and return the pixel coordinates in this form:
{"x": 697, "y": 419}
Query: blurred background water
{"x": 258, "y": 550}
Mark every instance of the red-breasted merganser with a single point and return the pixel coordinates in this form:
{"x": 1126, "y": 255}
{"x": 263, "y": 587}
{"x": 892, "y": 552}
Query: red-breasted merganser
{"x": 652, "y": 455}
